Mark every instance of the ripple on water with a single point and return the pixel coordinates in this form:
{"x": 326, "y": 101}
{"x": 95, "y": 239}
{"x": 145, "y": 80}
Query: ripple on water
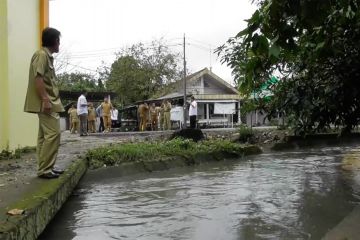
{"x": 289, "y": 195}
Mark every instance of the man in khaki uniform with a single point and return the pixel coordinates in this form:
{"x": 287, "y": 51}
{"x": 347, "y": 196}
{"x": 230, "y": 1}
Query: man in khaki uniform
{"x": 167, "y": 120}
{"x": 154, "y": 117}
{"x": 143, "y": 112}
{"x": 106, "y": 108}
{"x": 158, "y": 110}
{"x": 74, "y": 120}
{"x": 91, "y": 118}
{"x": 43, "y": 98}
{"x": 161, "y": 116}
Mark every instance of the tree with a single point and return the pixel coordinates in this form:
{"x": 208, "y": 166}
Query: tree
{"x": 78, "y": 81}
{"x": 139, "y": 72}
{"x": 313, "y": 46}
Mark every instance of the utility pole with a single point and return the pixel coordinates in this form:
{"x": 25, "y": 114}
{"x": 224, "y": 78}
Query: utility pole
{"x": 184, "y": 107}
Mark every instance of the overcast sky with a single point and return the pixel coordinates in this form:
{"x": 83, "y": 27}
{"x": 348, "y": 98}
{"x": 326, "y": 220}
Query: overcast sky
{"x": 92, "y": 30}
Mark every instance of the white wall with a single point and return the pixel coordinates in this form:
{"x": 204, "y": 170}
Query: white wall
{"x": 23, "y": 40}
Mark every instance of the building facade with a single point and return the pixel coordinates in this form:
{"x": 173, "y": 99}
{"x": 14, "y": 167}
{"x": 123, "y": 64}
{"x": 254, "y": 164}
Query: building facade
{"x": 21, "y": 23}
{"x": 218, "y": 101}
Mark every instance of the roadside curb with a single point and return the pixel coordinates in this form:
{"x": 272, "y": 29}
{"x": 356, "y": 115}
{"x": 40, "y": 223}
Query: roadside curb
{"x": 41, "y": 205}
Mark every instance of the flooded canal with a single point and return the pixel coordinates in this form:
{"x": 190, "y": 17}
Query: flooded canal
{"x": 288, "y": 195}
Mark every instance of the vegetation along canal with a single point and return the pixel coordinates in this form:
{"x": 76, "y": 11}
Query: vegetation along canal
{"x": 297, "y": 194}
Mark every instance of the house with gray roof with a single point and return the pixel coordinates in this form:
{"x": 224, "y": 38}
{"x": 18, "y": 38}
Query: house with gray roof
{"x": 218, "y": 101}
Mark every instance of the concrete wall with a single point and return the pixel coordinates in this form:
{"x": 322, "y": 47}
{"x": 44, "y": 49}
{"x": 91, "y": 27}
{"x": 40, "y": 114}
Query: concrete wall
{"x": 19, "y": 38}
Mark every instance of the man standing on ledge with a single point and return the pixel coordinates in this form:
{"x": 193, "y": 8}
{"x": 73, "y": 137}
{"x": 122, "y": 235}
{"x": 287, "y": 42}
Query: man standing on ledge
{"x": 43, "y": 98}
{"x": 193, "y": 112}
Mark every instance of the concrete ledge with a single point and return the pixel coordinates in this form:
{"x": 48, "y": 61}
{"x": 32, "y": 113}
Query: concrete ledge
{"x": 347, "y": 229}
{"x": 40, "y": 205}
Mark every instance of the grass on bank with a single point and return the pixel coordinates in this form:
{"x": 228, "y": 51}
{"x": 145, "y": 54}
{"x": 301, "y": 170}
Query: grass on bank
{"x": 16, "y": 154}
{"x": 148, "y": 151}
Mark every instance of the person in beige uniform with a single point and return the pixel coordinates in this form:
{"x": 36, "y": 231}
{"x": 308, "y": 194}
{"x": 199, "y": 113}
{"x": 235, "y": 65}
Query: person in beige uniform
{"x": 106, "y": 108}
{"x": 167, "y": 120}
{"x": 154, "y": 117}
{"x": 42, "y": 98}
{"x": 74, "y": 120}
{"x": 91, "y": 118}
{"x": 161, "y": 115}
{"x": 143, "y": 111}
{"x": 158, "y": 117}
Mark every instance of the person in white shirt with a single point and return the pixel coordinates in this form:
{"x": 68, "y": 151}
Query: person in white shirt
{"x": 193, "y": 112}
{"x": 114, "y": 117}
{"x": 82, "y": 111}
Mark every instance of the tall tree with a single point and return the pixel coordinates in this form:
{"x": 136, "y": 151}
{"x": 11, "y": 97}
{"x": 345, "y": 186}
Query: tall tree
{"x": 313, "y": 46}
{"x": 77, "y": 81}
{"x": 139, "y": 71}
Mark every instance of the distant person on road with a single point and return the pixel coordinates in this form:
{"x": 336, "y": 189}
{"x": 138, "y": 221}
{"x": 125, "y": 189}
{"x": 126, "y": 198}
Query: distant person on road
{"x": 99, "y": 113}
{"x": 158, "y": 110}
{"x": 106, "y": 109}
{"x": 161, "y": 115}
{"x": 167, "y": 120}
{"x": 91, "y": 118}
{"x": 74, "y": 120}
{"x": 193, "y": 112}
{"x": 114, "y": 117}
{"x": 154, "y": 117}
{"x": 82, "y": 111}
{"x": 143, "y": 112}
{"x": 43, "y": 98}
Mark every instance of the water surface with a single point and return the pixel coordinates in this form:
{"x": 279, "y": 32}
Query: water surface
{"x": 289, "y": 195}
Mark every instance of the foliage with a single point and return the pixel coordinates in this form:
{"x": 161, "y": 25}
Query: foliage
{"x": 148, "y": 151}
{"x": 245, "y": 133}
{"x": 16, "y": 154}
{"x": 78, "y": 81}
{"x": 313, "y": 45}
{"x": 139, "y": 72}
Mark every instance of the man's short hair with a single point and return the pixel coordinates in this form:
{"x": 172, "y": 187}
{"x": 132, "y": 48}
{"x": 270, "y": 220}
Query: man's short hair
{"x": 49, "y": 37}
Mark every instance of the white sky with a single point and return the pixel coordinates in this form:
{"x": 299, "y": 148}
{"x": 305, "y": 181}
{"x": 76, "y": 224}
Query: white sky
{"x": 92, "y": 30}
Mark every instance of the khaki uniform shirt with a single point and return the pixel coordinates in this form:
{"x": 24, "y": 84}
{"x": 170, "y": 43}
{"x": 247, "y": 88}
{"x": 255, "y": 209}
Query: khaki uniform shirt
{"x": 106, "y": 107}
{"x": 91, "y": 114}
{"x": 73, "y": 115}
{"x": 143, "y": 110}
{"x": 42, "y": 64}
{"x": 153, "y": 111}
{"x": 167, "y": 107}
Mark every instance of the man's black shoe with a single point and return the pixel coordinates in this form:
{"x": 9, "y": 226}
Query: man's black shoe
{"x": 49, "y": 175}
{"x": 58, "y": 170}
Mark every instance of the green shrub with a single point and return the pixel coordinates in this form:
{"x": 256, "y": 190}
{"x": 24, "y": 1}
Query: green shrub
{"x": 148, "y": 151}
{"x": 245, "y": 133}
{"x": 16, "y": 154}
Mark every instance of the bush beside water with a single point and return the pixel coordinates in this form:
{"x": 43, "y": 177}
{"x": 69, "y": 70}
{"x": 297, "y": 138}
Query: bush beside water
{"x": 151, "y": 151}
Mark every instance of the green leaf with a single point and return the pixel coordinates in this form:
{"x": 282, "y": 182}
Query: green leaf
{"x": 274, "y": 50}
{"x": 319, "y": 46}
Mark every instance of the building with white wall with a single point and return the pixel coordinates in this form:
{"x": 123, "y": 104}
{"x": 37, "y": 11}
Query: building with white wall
{"x": 21, "y": 23}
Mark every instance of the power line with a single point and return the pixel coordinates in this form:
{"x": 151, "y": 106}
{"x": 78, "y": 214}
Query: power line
{"x": 78, "y": 66}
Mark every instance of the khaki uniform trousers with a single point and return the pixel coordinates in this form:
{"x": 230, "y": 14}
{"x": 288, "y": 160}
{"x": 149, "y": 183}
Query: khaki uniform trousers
{"x": 143, "y": 122}
{"x": 91, "y": 125}
{"x": 154, "y": 122}
{"x": 74, "y": 126}
{"x": 167, "y": 121}
{"x": 161, "y": 119}
{"x": 107, "y": 122}
{"x": 48, "y": 142}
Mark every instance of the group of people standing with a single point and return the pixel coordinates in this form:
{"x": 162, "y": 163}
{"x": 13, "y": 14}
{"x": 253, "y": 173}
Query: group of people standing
{"x": 156, "y": 115}
{"x": 83, "y": 116}
{"x": 160, "y": 116}
{"x": 43, "y": 99}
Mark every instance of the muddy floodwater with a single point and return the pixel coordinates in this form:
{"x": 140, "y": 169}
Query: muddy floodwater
{"x": 298, "y": 194}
